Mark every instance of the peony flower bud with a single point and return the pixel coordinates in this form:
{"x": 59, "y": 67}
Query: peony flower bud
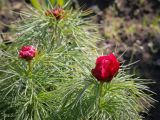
{"x": 58, "y": 13}
{"x": 27, "y": 52}
{"x": 106, "y": 68}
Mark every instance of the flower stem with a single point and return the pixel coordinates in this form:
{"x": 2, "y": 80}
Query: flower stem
{"x": 29, "y": 68}
{"x": 100, "y": 93}
{"x": 54, "y": 37}
{"x": 32, "y": 97}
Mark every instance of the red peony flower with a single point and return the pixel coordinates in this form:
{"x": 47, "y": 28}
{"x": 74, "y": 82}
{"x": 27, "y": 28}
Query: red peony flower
{"x": 106, "y": 68}
{"x": 27, "y": 52}
{"x": 58, "y": 13}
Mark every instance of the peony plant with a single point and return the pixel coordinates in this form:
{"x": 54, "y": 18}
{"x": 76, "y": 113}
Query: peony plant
{"x": 56, "y": 80}
{"x": 27, "y": 53}
{"x": 58, "y": 13}
{"x": 106, "y": 68}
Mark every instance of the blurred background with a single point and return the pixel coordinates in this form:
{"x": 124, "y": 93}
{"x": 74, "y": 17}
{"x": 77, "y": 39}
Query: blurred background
{"x": 129, "y": 27}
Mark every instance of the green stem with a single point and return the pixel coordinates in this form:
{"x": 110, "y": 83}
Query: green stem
{"x": 29, "y": 65}
{"x": 32, "y": 97}
{"x": 100, "y": 93}
{"x": 29, "y": 68}
{"x": 54, "y": 36}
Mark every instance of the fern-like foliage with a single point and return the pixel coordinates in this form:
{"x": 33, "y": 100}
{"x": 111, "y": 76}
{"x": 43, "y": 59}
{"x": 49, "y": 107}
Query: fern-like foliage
{"x": 123, "y": 98}
{"x": 58, "y": 85}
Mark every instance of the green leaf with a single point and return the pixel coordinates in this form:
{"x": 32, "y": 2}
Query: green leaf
{"x": 52, "y": 2}
{"x": 36, "y": 4}
{"x": 61, "y": 2}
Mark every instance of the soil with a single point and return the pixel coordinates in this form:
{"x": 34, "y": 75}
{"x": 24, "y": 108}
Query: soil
{"x": 126, "y": 25}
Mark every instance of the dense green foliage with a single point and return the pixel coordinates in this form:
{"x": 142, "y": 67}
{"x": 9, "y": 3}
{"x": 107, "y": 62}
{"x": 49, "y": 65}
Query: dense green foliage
{"x": 58, "y": 85}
